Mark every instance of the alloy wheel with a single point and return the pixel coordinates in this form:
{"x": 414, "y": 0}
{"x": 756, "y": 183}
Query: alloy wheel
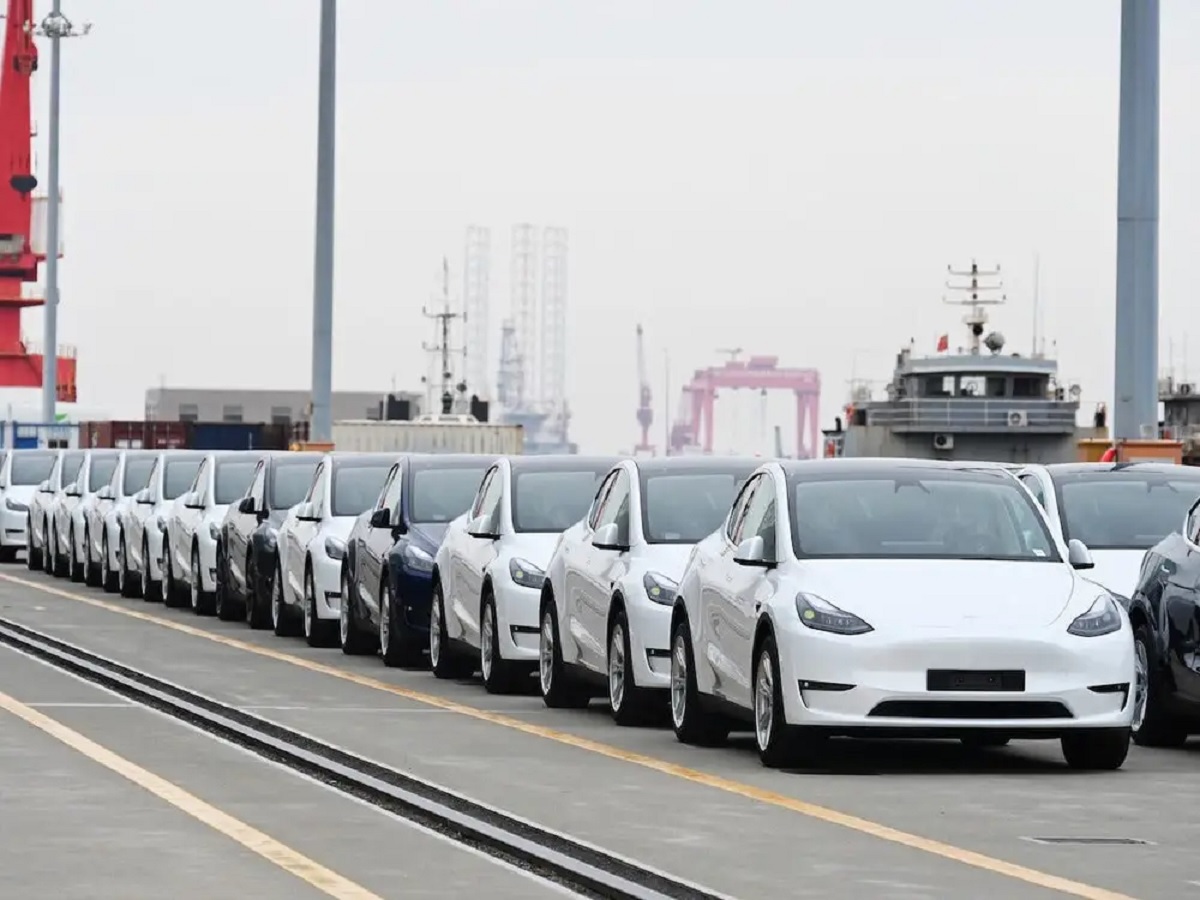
{"x": 277, "y": 601}
{"x": 309, "y": 602}
{"x": 435, "y": 630}
{"x": 487, "y": 638}
{"x": 1141, "y": 686}
{"x": 546, "y": 654}
{"x": 344, "y": 612}
{"x": 385, "y": 619}
{"x": 194, "y": 581}
{"x": 616, "y": 667}
{"x": 764, "y": 701}
{"x": 679, "y": 678}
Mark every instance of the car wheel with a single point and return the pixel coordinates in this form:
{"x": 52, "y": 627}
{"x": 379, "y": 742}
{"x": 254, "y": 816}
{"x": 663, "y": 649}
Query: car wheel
{"x": 1152, "y": 724}
{"x": 779, "y": 744}
{"x": 499, "y": 674}
{"x": 558, "y": 690}
{"x": 201, "y": 600}
{"x": 281, "y": 617}
{"x": 33, "y": 553}
{"x": 443, "y": 660}
{"x": 1096, "y": 749}
{"x": 630, "y": 704}
{"x": 354, "y": 641}
{"x": 77, "y": 569}
{"x": 693, "y": 724}
{"x": 398, "y": 646}
{"x": 110, "y": 578}
{"x": 318, "y": 632}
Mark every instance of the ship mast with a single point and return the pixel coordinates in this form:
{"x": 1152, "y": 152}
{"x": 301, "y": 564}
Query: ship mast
{"x": 442, "y": 348}
{"x": 976, "y": 316}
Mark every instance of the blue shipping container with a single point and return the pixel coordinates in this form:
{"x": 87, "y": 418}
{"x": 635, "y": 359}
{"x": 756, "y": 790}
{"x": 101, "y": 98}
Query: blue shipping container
{"x": 225, "y": 435}
{"x": 32, "y": 435}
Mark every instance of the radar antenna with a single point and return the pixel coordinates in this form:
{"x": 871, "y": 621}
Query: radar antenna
{"x": 976, "y": 316}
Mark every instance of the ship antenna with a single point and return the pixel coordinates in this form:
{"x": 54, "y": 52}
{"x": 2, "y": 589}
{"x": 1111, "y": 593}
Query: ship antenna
{"x": 976, "y": 316}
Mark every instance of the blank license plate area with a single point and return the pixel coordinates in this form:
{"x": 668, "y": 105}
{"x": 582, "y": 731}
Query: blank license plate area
{"x": 975, "y": 680}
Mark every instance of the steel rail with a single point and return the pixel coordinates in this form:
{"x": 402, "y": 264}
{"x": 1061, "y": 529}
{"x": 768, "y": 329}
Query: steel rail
{"x": 583, "y": 868}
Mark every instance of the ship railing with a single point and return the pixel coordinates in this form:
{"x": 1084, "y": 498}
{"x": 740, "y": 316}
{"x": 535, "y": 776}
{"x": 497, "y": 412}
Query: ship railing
{"x": 966, "y": 413}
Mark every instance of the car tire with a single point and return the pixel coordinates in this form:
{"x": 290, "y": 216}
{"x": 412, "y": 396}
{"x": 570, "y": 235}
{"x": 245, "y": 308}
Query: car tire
{"x": 444, "y": 661}
{"x": 1157, "y": 727}
{"x": 200, "y": 600}
{"x": 692, "y": 723}
{"x": 110, "y": 579}
{"x": 226, "y": 607}
{"x": 283, "y": 620}
{"x": 398, "y": 646}
{"x": 76, "y": 569}
{"x": 354, "y": 641}
{"x": 779, "y": 743}
{"x": 127, "y": 585}
{"x": 91, "y": 570}
{"x": 1096, "y": 749}
{"x": 318, "y": 632}
{"x": 558, "y": 689}
{"x": 630, "y": 704}
{"x": 258, "y": 609}
{"x": 499, "y": 674}
{"x": 33, "y": 555}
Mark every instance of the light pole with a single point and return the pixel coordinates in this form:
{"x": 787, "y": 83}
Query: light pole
{"x": 322, "y": 325}
{"x": 55, "y": 26}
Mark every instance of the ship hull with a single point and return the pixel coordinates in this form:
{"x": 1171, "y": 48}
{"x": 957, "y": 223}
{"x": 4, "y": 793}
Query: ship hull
{"x": 1012, "y": 446}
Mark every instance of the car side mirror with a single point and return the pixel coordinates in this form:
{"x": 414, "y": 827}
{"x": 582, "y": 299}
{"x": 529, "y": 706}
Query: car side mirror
{"x": 608, "y": 537}
{"x": 44, "y": 487}
{"x": 72, "y": 489}
{"x": 753, "y": 552}
{"x": 143, "y": 497}
{"x": 381, "y": 518}
{"x": 1167, "y": 567}
{"x": 1078, "y": 555}
{"x": 192, "y": 501}
{"x": 482, "y": 527}
{"x": 305, "y": 513}
{"x": 246, "y": 506}
{"x": 105, "y": 493}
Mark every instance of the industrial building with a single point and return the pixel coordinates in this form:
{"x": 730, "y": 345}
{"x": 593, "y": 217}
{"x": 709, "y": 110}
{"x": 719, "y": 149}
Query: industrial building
{"x": 273, "y": 407}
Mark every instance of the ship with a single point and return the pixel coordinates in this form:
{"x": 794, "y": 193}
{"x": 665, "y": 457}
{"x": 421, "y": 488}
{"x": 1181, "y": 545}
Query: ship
{"x": 973, "y": 402}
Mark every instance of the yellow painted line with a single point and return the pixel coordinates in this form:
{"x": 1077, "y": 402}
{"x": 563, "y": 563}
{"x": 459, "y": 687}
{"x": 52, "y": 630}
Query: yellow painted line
{"x": 291, "y": 861}
{"x": 695, "y": 776}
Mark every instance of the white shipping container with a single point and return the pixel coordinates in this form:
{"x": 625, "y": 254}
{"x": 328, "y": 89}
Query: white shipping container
{"x": 367, "y": 436}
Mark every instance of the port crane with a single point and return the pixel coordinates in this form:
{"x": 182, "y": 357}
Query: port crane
{"x": 21, "y": 213}
{"x": 645, "y": 412}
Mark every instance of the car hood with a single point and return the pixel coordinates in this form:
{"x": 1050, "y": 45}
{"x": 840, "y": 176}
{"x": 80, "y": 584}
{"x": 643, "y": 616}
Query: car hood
{"x": 1117, "y": 570}
{"x": 985, "y": 594}
{"x": 276, "y": 516}
{"x": 429, "y": 535}
{"x": 20, "y": 493}
{"x": 668, "y": 559}
{"x": 533, "y": 547}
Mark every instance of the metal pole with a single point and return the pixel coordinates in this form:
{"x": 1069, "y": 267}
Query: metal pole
{"x": 1136, "y": 362}
{"x": 50, "y": 328}
{"x": 322, "y": 326}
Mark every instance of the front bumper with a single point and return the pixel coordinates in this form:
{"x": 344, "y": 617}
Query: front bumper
{"x": 413, "y": 593}
{"x": 517, "y": 611}
{"x": 327, "y": 584}
{"x": 872, "y": 683}
{"x": 14, "y": 527}
{"x": 649, "y": 642}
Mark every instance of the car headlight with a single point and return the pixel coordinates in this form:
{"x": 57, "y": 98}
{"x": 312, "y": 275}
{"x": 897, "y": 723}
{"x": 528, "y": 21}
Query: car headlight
{"x": 161, "y": 523}
{"x": 417, "y": 559}
{"x": 15, "y": 505}
{"x": 821, "y": 615}
{"x": 1102, "y": 617}
{"x": 335, "y": 548}
{"x": 214, "y": 531}
{"x": 660, "y": 588}
{"x": 525, "y": 573}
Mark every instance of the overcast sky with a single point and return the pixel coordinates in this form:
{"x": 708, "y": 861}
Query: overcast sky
{"x": 787, "y": 177}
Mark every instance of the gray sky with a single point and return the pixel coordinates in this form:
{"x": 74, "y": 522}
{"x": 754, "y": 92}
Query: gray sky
{"x": 788, "y": 177}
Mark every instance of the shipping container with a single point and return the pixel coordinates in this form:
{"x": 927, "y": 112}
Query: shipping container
{"x": 367, "y": 436}
{"x": 134, "y": 435}
{"x": 224, "y": 435}
{"x": 32, "y": 435}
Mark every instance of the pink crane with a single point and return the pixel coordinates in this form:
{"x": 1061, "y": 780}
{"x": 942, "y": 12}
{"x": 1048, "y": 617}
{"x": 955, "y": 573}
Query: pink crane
{"x": 645, "y": 413}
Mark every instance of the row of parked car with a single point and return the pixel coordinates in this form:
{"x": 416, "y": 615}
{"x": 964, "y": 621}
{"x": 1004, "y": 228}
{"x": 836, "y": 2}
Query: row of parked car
{"x": 802, "y": 599}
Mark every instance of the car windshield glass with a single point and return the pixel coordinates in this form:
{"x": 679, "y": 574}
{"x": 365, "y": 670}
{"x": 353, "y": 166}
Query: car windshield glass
{"x": 233, "y": 479}
{"x": 686, "y": 507}
{"x": 439, "y": 495}
{"x": 72, "y": 463}
{"x": 290, "y": 483}
{"x": 919, "y": 515}
{"x": 180, "y": 475}
{"x": 101, "y": 472}
{"x": 356, "y": 488}
{"x": 553, "y": 501}
{"x": 1127, "y": 510}
{"x": 137, "y": 474}
{"x": 31, "y": 468}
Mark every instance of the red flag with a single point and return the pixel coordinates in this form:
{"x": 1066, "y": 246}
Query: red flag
{"x": 943, "y": 343}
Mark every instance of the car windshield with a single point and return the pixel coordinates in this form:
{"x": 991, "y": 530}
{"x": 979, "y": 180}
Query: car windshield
{"x": 686, "y": 507}
{"x": 101, "y": 472}
{"x": 31, "y": 468}
{"x": 439, "y": 495}
{"x": 233, "y": 477}
{"x": 137, "y": 474}
{"x": 290, "y": 482}
{"x": 72, "y": 463}
{"x": 553, "y": 501}
{"x": 918, "y": 515}
{"x": 179, "y": 477}
{"x": 356, "y": 488}
{"x": 1124, "y": 510}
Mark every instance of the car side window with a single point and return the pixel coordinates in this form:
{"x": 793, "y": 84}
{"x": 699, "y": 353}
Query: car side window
{"x": 1193, "y": 523}
{"x": 598, "y": 500}
{"x": 1034, "y": 484}
{"x": 758, "y": 518}
{"x": 152, "y": 481}
{"x": 616, "y": 507}
{"x": 200, "y": 482}
{"x": 318, "y": 490}
{"x": 482, "y": 492}
{"x": 258, "y": 485}
{"x": 489, "y": 504}
{"x": 390, "y": 492}
{"x": 739, "y": 509}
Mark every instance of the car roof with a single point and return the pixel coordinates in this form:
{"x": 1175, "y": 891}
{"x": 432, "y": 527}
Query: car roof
{"x": 420, "y": 461}
{"x": 877, "y": 466}
{"x": 561, "y": 463}
{"x": 659, "y": 465}
{"x": 1149, "y": 468}
{"x": 343, "y": 459}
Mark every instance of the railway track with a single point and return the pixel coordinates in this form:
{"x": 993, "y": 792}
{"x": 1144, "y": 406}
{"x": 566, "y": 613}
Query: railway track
{"x": 580, "y": 867}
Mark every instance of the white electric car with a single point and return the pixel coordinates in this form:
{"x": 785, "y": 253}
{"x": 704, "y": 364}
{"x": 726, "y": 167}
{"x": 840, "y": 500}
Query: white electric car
{"x": 103, "y": 519}
{"x": 67, "y": 532}
{"x": 492, "y": 563}
{"x": 605, "y": 616}
{"x": 144, "y": 522}
{"x": 1120, "y": 510}
{"x": 312, "y": 543}
{"x": 194, "y": 526}
{"x": 908, "y": 598}
{"x": 20, "y": 474}
{"x": 42, "y": 506}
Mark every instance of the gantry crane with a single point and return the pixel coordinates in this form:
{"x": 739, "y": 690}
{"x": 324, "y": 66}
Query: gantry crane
{"x": 21, "y": 365}
{"x": 645, "y": 413}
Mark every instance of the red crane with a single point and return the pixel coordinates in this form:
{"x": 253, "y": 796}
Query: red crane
{"x": 19, "y": 258}
{"x": 645, "y": 413}
{"x": 756, "y": 373}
